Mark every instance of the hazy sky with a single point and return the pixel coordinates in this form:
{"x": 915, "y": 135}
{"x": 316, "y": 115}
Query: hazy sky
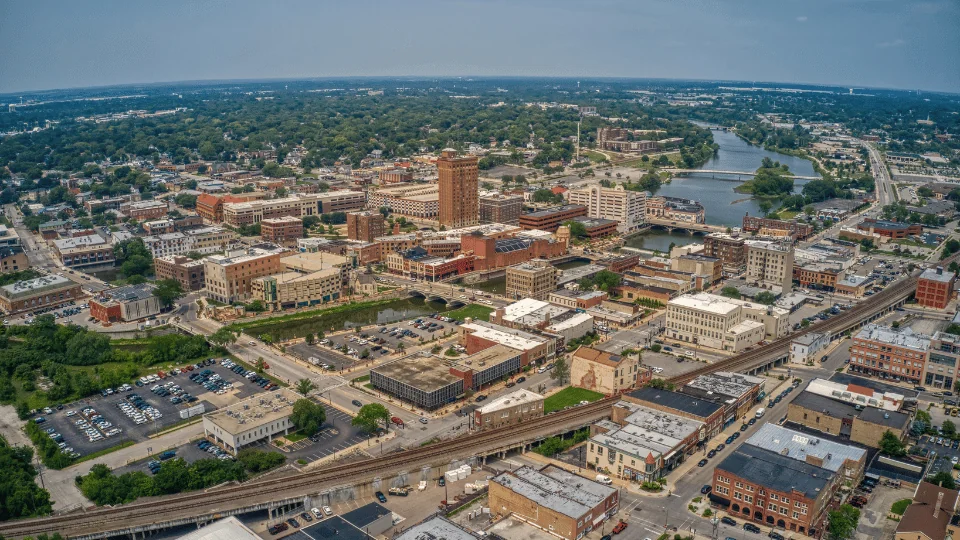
{"x": 879, "y": 43}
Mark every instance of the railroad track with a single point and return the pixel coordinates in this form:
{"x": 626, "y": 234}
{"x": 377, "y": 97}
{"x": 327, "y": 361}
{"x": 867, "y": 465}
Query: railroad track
{"x": 231, "y": 498}
{"x": 840, "y": 323}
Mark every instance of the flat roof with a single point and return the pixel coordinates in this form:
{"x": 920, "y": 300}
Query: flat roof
{"x": 552, "y": 211}
{"x": 255, "y": 411}
{"x": 436, "y": 528}
{"x": 79, "y": 241}
{"x": 709, "y": 303}
{"x": 937, "y": 274}
{"x": 775, "y": 472}
{"x": 725, "y": 383}
{"x": 332, "y": 528}
{"x": 130, "y": 293}
{"x": 515, "y": 339}
{"x": 365, "y": 515}
{"x": 892, "y": 419}
{"x": 825, "y": 405}
{"x": 35, "y": 286}
{"x": 487, "y": 358}
{"x": 427, "y": 373}
{"x": 570, "y": 495}
{"x": 510, "y": 400}
{"x": 229, "y": 528}
{"x": 572, "y": 322}
{"x": 798, "y": 446}
{"x": 532, "y": 312}
{"x": 675, "y": 400}
{"x": 905, "y": 338}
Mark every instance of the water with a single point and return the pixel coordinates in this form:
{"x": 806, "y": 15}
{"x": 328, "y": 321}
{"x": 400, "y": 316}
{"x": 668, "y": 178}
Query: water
{"x": 723, "y": 205}
{"x": 393, "y": 311}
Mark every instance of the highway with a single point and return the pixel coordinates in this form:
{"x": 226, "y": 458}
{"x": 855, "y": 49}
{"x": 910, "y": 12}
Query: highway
{"x": 886, "y": 192}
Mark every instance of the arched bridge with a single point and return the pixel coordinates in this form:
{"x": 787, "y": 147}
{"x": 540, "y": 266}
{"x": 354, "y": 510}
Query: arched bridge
{"x": 696, "y": 228}
{"x": 433, "y": 296}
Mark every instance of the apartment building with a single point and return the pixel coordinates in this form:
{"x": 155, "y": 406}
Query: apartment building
{"x": 935, "y": 288}
{"x": 627, "y": 208}
{"x": 458, "y": 183}
{"x": 282, "y": 230}
{"x": 365, "y": 226}
{"x": 943, "y": 361}
{"x": 497, "y": 208}
{"x": 769, "y": 264}
{"x": 551, "y": 218}
{"x": 144, "y": 210}
{"x": 723, "y": 323}
{"x": 409, "y": 200}
{"x": 308, "y": 204}
{"x": 821, "y": 276}
{"x": 229, "y": 277}
{"x": 186, "y": 271}
{"x": 84, "y": 252}
{"x": 731, "y": 250}
{"x": 533, "y": 279}
{"x": 553, "y": 499}
{"x": 204, "y": 240}
{"x": 514, "y": 408}
{"x": 888, "y": 353}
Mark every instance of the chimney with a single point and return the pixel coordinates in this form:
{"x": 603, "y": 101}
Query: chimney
{"x": 936, "y": 509}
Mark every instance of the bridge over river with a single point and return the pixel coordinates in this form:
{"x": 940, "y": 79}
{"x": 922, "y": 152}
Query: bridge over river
{"x": 734, "y": 173}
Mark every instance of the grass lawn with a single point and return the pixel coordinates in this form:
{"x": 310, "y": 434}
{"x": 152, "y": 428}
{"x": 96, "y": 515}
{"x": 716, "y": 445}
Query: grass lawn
{"x": 594, "y": 156}
{"x": 569, "y": 396}
{"x": 787, "y": 214}
{"x": 900, "y": 506}
{"x": 294, "y": 437}
{"x": 475, "y": 311}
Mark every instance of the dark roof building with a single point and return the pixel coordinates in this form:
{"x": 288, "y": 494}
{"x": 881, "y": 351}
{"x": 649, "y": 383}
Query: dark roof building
{"x": 332, "y": 528}
{"x": 708, "y": 412}
{"x": 930, "y": 513}
{"x": 371, "y": 518}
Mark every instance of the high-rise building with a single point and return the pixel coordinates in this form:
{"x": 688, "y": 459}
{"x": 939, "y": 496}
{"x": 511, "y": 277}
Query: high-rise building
{"x": 459, "y": 189}
{"x": 499, "y": 208}
{"x": 769, "y": 264}
{"x": 627, "y": 208}
{"x": 729, "y": 249}
{"x": 534, "y": 279}
{"x": 364, "y": 225}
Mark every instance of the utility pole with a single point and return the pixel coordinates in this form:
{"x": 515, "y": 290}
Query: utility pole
{"x": 578, "y": 134}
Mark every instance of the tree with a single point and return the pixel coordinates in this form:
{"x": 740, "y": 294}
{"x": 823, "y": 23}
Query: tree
{"x": 307, "y": 417}
{"x": 168, "y": 291}
{"x": 260, "y": 365}
{"x": 223, "y": 337}
{"x": 949, "y": 428}
{"x": 309, "y": 339}
{"x": 730, "y": 292}
{"x": 133, "y": 257}
{"x": 843, "y": 522}
{"x": 310, "y": 221}
{"x": 577, "y": 229}
{"x": 943, "y": 479}
{"x": 891, "y": 445}
{"x": 370, "y": 416}
{"x": 660, "y": 384}
{"x": 560, "y": 373}
{"x": 766, "y": 298}
{"x": 305, "y": 386}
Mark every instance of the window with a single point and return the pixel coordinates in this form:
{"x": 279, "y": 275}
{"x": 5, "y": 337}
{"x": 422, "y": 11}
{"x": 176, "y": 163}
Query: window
{"x": 737, "y": 496}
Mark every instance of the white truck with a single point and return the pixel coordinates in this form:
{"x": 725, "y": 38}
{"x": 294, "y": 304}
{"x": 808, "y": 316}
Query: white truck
{"x": 760, "y": 412}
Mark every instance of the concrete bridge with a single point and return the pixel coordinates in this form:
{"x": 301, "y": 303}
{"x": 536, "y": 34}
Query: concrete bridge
{"x": 737, "y": 173}
{"x": 693, "y": 228}
{"x": 450, "y": 299}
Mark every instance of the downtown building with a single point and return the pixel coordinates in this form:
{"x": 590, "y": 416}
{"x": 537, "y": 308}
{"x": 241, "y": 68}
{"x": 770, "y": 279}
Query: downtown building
{"x": 888, "y": 353}
{"x": 935, "y": 288}
{"x": 769, "y": 265}
{"x": 627, "y": 208}
{"x": 308, "y": 204}
{"x": 459, "y": 189}
{"x": 229, "y": 276}
{"x": 365, "y": 226}
{"x": 534, "y": 279}
{"x": 498, "y": 208}
{"x": 717, "y": 322}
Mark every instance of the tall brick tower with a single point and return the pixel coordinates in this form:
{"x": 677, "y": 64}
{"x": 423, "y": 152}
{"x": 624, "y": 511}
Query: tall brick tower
{"x": 458, "y": 183}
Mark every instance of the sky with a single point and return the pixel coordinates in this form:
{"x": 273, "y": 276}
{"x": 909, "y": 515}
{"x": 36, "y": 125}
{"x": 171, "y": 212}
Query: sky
{"x": 910, "y": 44}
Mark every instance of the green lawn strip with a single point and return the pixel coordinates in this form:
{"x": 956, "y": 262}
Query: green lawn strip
{"x": 105, "y": 451}
{"x": 569, "y": 396}
{"x": 307, "y": 314}
{"x": 900, "y": 506}
{"x": 295, "y": 437}
{"x": 474, "y": 311}
{"x": 363, "y": 378}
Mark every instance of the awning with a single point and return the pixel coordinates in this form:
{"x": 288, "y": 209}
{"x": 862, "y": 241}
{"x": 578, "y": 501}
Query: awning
{"x": 599, "y": 519}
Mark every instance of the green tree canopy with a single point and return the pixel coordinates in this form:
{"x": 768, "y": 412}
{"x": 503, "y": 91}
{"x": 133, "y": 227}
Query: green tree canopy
{"x": 371, "y": 416}
{"x": 843, "y": 522}
{"x": 891, "y": 445}
{"x": 307, "y": 416}
{"x": 168, "y": 291}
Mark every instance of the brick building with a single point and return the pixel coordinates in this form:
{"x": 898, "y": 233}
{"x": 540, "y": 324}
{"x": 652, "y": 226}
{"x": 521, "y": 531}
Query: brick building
{"x": 890, "y": 353}
{"x": 459, "y": 189}
{"x": 935, "y": 288}
{"x": 604, "y": 372}
{"x": 282, "y": 230}
{"x": 708, "y": 412}
{"x": 186, "y": 271}
{"x": 492, "y": 253}
{"x": 621, "y": 263}
{"x": 797, "y": 231}
{"x": 553, "y": 499}
{"x": 499, "y": 208}
{"x": 395, "y": 176}
{"x": 534, "y": 279}
{"x": 42, "y": 292}
{"x": 513, "y": 408}
{"x": 822, "y": 276}
{"x": 365, "y": 226}
{"x": 229, "y": 276}
{"x": 597, "y": 227}
{"x": 731, "y": 251}
{"x": 890, "y": 229}
{"x": 125, "y": 304}
{"x": 13, "y": 259}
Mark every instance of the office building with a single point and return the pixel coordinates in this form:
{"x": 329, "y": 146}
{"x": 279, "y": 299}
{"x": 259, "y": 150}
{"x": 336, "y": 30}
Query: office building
{"x": 717, "y": 322}
{"x": 365, "y": 226}
{"x": 596, "y": 227}
{"x": 861, "y": 424}
{"x": 935, "y": 288}
{"x": 9, "y": 238}
{"x": 125, "y": 304}
{"x": 84, "y": 252}
{"x": 533, "y": 279}
{"x": 737, "y": 393}
{"x": 514, "y": 408}
{"x": 186, "y": 271}
{"x": 890, "y": 229}
{"x": 229, "y": 276}
{"x": 627, "y": 208}
{"x": 497, "y": 208}
{"x": 459, "y": 189}
{"x": 769, "y": 227}
{"x": 943, "y": 361}
{"x": 730, "y": 249}
{"x": 675, "y": 209}
{"x": 144, "y": 210}
{"x": 409, "y": 200}
{"x": 424, "y": 381}
{"x": 819, "y": 276}
{"x": 476, "y": 336}
{"x": 706, "y": 270}
{"x": 203, "y": 240}
{"x": 898, "y": 354}
{"x": 856, "y": 394}
{"x": 395, "y": 176}
{"x": 551, "y": 218}
{"x": 769, "y": 265}
{"x": 553, "y": 499}
{"x": 281, "y": 230}
{"x": 42, "y": 292}
{"x": 307, "y": 204}
{"x": 307, "y": 279}
{"x": 604, "y": 372}
{"x": 256, "y": 419}
{"x": 492, "y": 253}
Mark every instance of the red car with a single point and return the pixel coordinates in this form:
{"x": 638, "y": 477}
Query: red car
{"x": 619, "y": 527}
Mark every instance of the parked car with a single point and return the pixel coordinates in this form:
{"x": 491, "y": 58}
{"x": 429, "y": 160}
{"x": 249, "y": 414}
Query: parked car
{"x": 706, "y": 489}
{"x": 727, "y": 520}
{"x": 357, "y": 403}
{"x": 702, "y": 463}
{"x": 750, "y": 527}
{"x": 381, "y": 497}
{"x": 619, "y": 527}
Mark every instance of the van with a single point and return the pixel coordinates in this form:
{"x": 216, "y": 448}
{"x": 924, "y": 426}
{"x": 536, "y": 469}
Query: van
{"x": 604, "y": 479}
{"x": 760, "y": 412}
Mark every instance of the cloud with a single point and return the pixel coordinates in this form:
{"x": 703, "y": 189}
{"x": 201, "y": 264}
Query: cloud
{"x": 887, "y": 44}
{"x": 802, "y": 18}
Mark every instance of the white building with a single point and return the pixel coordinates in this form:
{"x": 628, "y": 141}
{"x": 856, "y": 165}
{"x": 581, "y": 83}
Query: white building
{"x": 804, "y": 348}
{"x": 769, "y": 264}
{"x": 856, "y": 394}
{"x": 575, "y": 327}
{"x": 628, "y": 208}
{"x": 723, "y": 323}
{"x": 258, "y": 418}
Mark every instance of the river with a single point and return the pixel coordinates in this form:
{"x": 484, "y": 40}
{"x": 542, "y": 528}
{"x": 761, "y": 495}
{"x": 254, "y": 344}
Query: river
{"x": 723, "y": 205}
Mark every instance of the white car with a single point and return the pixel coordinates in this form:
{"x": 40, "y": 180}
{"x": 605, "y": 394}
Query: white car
{"x": 252, "y": 343}
{"x": 327, "y": 510}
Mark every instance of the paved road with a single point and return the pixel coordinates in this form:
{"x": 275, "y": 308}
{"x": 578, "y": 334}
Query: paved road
{"x": 886, "y": 193}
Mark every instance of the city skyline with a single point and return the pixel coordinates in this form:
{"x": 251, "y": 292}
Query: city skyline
{"x": 859, "y": 43}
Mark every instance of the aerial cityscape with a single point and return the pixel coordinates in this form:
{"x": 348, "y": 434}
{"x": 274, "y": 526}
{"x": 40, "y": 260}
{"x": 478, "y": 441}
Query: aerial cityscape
{"x": 305, "y": 288}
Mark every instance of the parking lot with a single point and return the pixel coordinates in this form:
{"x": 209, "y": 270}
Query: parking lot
{"x": 945, "y": 453}
{"x": 153, "y": 412}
